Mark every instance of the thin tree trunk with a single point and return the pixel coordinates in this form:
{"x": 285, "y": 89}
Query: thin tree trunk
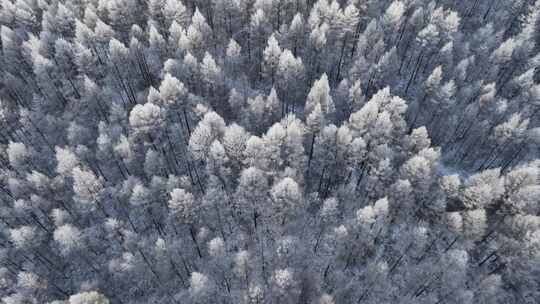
{"x": 194, "y": 239}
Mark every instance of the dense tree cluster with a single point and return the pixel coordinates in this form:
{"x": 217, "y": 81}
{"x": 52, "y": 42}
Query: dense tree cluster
{"x": 269, "y": 151}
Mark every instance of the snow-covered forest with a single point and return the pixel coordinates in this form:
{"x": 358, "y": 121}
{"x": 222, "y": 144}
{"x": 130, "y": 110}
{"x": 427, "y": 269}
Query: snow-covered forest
{"x": 269, "y": 151}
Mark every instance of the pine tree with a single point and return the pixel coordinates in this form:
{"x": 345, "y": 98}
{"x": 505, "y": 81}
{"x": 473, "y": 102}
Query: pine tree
{"x": 272, "y": 52}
